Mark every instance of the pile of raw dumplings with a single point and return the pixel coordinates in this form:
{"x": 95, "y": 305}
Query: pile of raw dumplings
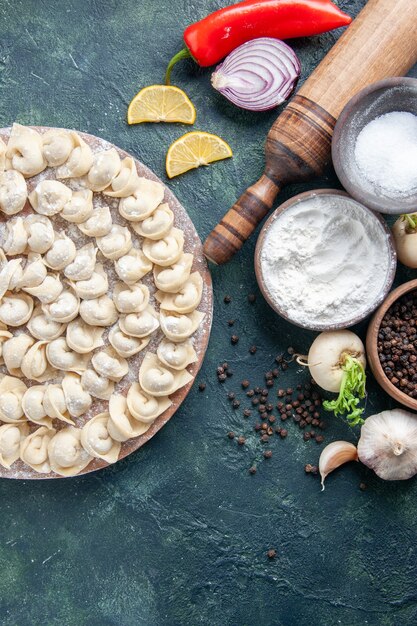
{"x": 67, "y": 331}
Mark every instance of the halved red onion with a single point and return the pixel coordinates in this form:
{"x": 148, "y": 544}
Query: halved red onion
{"x": 258, "y": 75}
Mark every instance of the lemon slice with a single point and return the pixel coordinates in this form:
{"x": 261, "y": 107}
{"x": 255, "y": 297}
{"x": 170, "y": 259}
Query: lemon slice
{"x": 159, "y": 103}
{"x": 195, "y": 149}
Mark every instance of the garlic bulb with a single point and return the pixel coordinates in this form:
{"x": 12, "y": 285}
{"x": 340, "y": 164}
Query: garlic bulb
{"x": 388, "y": 444}
{"x": 334, "y": 455}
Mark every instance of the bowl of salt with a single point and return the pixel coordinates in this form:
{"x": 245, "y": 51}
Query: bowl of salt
{"x": 374, "y": 147}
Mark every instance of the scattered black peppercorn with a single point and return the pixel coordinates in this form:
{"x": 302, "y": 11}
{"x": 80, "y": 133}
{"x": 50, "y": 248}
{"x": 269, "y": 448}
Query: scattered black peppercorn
{"x": 253, "y": 349}
{"x": 245, "y": 384}
{"x": 271, "y": 554}
{"x": 202, "y": 386}
{"x": 231, "y": 435}
{"x": 247, "y": 412}
{"x": 268, "y": 454}
{"x": 241, "y": 440}
{"x": 234, "y": 339}
{"x": 319, "y": 438}
{"x": 252, "y": 470}
{"x": 250, "y": 393}
{"x": 231, "y": 395}
{"x": 269, "y": 383}
{"x": 362, "y": 486}
{"x": 251, "y": 298}
{"x": 265, "y": 438}
{"x": 230, "y": 322}
{"x": 227, "y": 299}
{"x": 221, "y": 378}
{"x": 220, "y": 370}
{"x": 283, "y": 433}
{"x": 235, "y": 404}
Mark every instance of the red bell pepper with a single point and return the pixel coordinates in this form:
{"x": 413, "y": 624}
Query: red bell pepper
{"x": 214, "y": 37}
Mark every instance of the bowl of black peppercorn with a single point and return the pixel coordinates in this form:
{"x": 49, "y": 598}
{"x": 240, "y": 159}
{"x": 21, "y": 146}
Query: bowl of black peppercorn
{"x": 391, "y": 344}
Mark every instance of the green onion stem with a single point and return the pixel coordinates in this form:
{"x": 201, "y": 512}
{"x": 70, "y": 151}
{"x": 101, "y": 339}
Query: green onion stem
{"x": 352, "y": 391}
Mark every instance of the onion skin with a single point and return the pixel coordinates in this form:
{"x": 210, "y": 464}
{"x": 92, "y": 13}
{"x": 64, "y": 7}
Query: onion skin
{"x": 325, "y": 357}
{"x": 259, "y": 75}
{"x": 405, "y": 243}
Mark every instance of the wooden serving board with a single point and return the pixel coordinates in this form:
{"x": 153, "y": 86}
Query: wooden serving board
{"x": 201, "y": 336}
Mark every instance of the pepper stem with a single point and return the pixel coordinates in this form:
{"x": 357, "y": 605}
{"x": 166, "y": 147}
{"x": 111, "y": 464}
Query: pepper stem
{"x": 182, "y": 54}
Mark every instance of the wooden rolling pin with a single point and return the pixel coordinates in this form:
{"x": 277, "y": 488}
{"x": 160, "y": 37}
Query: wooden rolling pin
{"x": 381, "y": 42}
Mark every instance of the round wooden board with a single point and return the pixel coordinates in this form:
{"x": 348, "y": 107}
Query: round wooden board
{"x": 201, "y": 337}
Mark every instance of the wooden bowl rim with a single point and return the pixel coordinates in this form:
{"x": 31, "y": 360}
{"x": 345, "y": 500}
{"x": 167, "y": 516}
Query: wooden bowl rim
{"x": 371, "y": 345}
{"x": 287, "y": 205}
{"x": 360, "y": 194}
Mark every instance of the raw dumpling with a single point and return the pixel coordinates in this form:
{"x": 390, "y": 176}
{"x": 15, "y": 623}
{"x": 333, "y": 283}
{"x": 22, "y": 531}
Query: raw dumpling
{"x": 34, "y": 272}
{"x": 144, "y": 407}
{"x": 166, "y": 251}
{"x": 55, "y": 405}
{"x": 60, "y": 356}
{"x": 157, "y": 225}
{"x": 140, "y": 324}
{"x": 80, "y": 207}
{"x": 4, "y": 336}
{"x": 146, "y": 197}
{"x": 10, "y": 274}
{"x": 42, "y": 327}
{"x": 96, "y": 440}
{"x": 116, "y": 243}
{"x": 130, "y": 298}
{"x": 99, "y": 311}
{"x": 178, "y": 327}
{"x": 172, "y": 278}
{"x": 98, "y": 386}
{"x": 11, "y": 436}
{"x": 98, "y": 224}
{"x": 34, "y": 449}
{"x": 32, "y": 405}
{"x": 132, "y": 266}
{"x": 49, "y": 289}
{"x": 84, "y": 338}
{"x": 93, "y": 287}
{"x": 186, "y": 299}
{"x": 66, "y": 454}
{"x": 158, "y": 380}
{"x": 176, "y": 355}
{"x": 24, "y": 151}
{"x": 78, "y": 400}
{"x": 82, "y": 267}
{"x": 49, "y": 197}
{"x": 17, "y": 237}
{"x": 11, "y": 393}
{"x": 106, "y": 165}
{"x": 63, "y": 309}
{"x": 40, "y": 233}
{"x": 125, "y": 345}
{"x": 13, "y": 192}
{"x": 79, "y": 161}
{"x": 14, "y": 349}
{"x": 126, "y": 180}
{"x": 15, "y": 309}
{"x": 3, "y": 149}
{"x": 122, "y": 425}
{"x": 109, "y": 364}
{"x": 61, "y": 253}
{"x": 35, "y": 365}
{"x": 57, "y": 146}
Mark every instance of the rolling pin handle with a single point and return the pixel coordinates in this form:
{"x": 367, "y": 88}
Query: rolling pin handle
{"x": 240, "y": 221}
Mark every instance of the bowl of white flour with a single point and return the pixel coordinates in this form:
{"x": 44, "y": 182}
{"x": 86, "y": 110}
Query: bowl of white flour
{"x": 324, "y": 261}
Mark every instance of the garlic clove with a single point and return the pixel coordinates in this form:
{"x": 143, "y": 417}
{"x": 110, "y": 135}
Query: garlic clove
{"x": 388, "y": 444}
{"x": 334, "y": 455}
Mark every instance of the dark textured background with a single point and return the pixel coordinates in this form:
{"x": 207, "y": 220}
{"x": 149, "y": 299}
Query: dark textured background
{"x": 177, "y": 534}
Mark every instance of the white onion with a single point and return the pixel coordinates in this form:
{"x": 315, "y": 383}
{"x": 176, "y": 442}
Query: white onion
{"x": 258, "y": 75}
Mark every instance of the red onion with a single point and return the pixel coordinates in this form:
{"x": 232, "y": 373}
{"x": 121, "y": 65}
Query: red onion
{"x": 258, "y": 75}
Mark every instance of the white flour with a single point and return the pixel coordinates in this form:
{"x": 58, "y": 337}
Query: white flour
{"x": 325, "y": 261}
{"x": 386, "y": 153}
